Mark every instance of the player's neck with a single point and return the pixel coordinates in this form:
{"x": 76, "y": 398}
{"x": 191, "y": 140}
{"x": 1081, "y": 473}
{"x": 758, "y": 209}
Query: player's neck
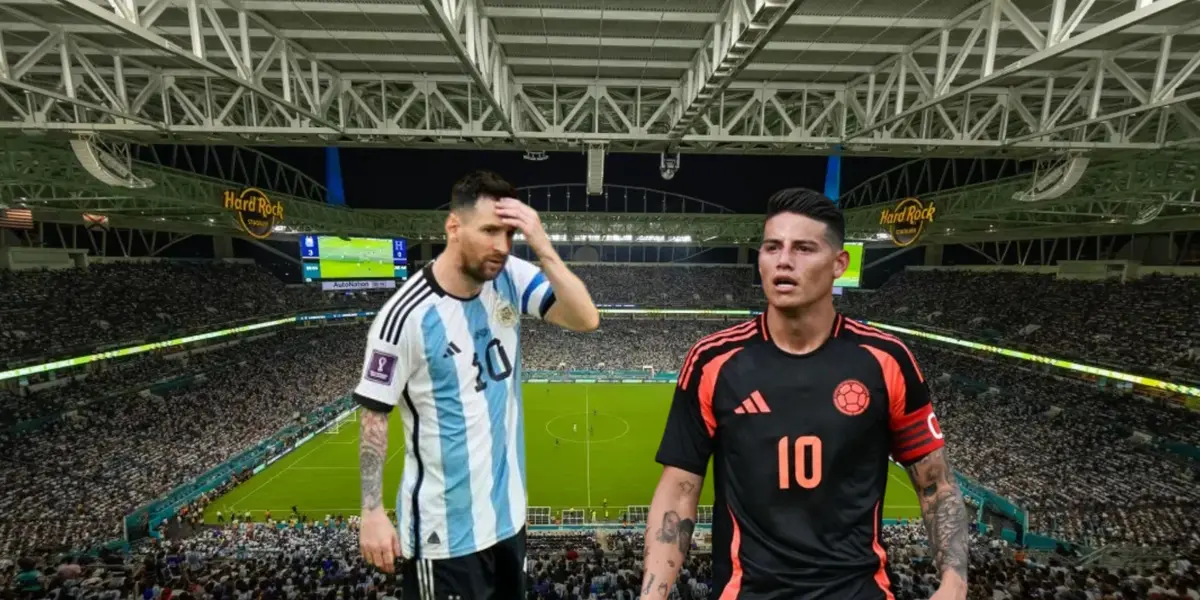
{"x": 451, "y": 278}
{"x": 803, "y": 329}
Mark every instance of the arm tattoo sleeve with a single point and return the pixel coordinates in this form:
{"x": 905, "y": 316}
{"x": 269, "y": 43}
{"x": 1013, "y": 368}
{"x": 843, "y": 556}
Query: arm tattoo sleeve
{"x": 943, "y": 511}
{"x": 372, "y": 453}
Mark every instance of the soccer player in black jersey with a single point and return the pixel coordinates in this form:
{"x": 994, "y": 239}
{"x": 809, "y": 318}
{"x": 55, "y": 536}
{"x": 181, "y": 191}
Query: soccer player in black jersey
{"x": 799, "y": 410}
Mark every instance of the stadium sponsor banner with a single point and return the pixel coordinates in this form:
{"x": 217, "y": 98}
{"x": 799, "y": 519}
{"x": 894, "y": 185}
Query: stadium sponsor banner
{"x": 256, "y": 213}
{"x": 330, "y": 316}
{"x": 336, "y": 286}
{"x": 907, "y": 220}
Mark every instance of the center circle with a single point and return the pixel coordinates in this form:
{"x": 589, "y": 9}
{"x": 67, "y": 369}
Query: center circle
{"x": 573, "y": 427}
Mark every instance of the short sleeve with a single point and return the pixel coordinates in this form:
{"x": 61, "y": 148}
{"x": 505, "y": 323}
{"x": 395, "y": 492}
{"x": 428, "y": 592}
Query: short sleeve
{"x": 911, "y": 421}
{"x": 387, "y": 365}
{"x": 533, "y": 289}
{"x": 687, "y": 441}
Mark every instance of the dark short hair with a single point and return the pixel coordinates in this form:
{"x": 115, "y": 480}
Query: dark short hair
{"x": 811, "y": 204}
{"x": 476, "y": 184}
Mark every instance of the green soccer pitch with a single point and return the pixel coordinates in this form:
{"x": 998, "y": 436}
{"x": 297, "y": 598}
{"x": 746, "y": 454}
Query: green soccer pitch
{"x": 616, "y": 465}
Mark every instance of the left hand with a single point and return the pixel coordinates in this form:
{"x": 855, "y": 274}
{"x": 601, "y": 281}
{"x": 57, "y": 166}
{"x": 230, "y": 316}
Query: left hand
{"x": 517, "y": 214}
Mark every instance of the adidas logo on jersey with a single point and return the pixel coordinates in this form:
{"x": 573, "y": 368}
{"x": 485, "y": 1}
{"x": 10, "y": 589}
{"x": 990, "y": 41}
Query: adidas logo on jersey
{"x": 451, "y": 350}
{"x": 753, "y": 405}
{"x": 433, "y": 539}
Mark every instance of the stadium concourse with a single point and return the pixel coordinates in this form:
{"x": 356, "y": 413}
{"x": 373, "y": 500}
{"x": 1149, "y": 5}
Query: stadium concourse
{"x": 1072, "y": 455}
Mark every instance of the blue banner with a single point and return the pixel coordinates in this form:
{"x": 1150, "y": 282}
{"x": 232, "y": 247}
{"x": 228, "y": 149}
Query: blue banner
{"x": 833, "y": 174}
{"x": 333, "y": 177}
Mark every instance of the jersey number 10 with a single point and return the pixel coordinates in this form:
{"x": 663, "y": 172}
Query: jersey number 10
{"x": 498, "y": 368}
{"x": 806, "y": 472}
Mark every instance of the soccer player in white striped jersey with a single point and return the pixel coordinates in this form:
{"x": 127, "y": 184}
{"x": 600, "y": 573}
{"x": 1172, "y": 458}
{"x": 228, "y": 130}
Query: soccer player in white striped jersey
{"x": 446, "y": 349}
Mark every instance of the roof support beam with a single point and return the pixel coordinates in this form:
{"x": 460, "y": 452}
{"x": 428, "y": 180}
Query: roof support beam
{"x": 742, "y": 30}
{"x": 989, "y": 17}
{"x": 470, "y": 35}
{"x": 248, "y": 76}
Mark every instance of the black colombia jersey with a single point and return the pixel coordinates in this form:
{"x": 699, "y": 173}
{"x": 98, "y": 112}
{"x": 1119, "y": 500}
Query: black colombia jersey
{"x": 801, "y": 446}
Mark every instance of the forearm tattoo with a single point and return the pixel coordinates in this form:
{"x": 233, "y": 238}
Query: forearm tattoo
{"x": 674, "y": 533}
{"x": 943, "y": 511}
{"x": 372, "y": 454}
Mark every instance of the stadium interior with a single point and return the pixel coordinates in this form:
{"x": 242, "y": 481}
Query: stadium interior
{"x": 187, "y": 277}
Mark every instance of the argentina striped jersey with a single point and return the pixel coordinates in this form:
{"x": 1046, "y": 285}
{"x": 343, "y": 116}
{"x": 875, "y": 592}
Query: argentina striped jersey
{"x": 453, "y": 366}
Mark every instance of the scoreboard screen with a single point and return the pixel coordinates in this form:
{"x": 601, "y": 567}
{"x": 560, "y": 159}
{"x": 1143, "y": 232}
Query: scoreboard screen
{"x": 328, "y": 257}
{"x": 852, "y": 278}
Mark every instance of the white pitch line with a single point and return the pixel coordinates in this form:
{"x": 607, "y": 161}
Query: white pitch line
{"x": 281, "y": 472}
{"x": 902, "y": 482}
{"x": 587, "y": 418}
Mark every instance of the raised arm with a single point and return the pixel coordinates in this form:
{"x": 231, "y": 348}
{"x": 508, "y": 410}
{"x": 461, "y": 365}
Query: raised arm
{"x": 946, "y": 521}
{"x": 567, "y": 303}
{"x": 669, "y": 530}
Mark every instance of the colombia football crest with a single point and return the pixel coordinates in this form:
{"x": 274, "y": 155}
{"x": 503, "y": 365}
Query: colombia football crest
{"x": 851, "y": 397}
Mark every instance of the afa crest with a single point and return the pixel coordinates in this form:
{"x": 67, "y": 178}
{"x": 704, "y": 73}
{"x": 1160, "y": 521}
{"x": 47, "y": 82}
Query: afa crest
{"x": 507, "y": 315}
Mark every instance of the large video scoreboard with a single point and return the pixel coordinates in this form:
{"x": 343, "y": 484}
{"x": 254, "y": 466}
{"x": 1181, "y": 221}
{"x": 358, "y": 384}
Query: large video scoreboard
{"x": 335, "y": 258}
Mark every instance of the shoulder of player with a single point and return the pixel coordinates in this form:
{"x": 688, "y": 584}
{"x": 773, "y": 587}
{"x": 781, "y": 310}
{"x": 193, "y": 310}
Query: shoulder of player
{"x": 415, "y": 294}
{"x": 719, "y": 344}
{"x": 871, "y": 337}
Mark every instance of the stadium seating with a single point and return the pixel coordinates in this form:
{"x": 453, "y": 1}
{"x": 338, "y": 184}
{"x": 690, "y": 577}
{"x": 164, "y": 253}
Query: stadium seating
{"x": 1062, "y": 450}
{"x": 322, "y": 561}
{"x": 75, "y": 458}
{"x": 1148, "y": 324}
{"x": 44, "y": 313}
{"x": 68, "y": 483}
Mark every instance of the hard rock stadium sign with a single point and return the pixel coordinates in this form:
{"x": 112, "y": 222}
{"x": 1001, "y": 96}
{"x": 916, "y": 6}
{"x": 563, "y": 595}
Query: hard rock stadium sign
{"x": 256, "y": 213}
{"x": 906, "y": 221}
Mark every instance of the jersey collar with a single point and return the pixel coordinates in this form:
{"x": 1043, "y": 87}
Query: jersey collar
{"x": 437, "y": 287}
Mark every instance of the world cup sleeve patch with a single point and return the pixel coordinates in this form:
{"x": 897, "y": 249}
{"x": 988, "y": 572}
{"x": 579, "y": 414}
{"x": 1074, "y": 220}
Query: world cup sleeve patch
{"x": 381, "y": 367}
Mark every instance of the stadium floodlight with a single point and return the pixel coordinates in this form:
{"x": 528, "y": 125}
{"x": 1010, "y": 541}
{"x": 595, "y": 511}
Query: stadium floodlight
{"x": 536, "y": 155}
{"x": 668, "y": 167}
{"x": 1055, "y": 180}
{"x": 112, "y": 165}
{"x": 595, "y": 167}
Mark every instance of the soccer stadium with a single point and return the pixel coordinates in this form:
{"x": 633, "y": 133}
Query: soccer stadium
{"x": 198, "y": 200}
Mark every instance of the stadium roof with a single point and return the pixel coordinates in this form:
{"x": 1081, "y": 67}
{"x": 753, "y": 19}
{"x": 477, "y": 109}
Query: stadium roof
{"x": 978, "y": 200}
{"x": 917, "y": 77}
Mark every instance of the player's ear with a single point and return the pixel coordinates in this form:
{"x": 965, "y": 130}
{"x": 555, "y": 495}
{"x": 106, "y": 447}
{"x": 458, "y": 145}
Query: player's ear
{"x": 841, "y": 263}
{"x": 453, "y": 224}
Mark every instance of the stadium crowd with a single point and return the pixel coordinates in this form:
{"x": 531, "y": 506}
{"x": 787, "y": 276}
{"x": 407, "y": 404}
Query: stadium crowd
{"x": 58, "y": 492}
{"x": 1082, "y": 461}
{"x": 322, "y": 561}
{"x": 671, "y": 286}
{"x": 1148, "y": 323}
{"x": 1062, "y": 449}
{"x": 49, "y": 312}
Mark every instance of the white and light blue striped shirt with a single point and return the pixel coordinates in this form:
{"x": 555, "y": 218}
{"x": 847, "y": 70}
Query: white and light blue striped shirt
{"x": 453, "y": 366}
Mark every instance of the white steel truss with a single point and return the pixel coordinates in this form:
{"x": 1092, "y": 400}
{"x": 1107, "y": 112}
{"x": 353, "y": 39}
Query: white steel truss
{"x": 998, "y": 76}
{"x": 744, "y": 28}
{"x": 472, "y": 38}
{"x": 881, "y": 108}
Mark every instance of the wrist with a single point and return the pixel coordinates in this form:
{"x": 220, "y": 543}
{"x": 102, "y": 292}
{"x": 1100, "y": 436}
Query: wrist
{"x": 954, "y": 582}
{"x": 542, "y": 247}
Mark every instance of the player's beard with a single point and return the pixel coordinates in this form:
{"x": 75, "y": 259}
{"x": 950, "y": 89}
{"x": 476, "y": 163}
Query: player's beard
{"x": 482, "y": 271}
